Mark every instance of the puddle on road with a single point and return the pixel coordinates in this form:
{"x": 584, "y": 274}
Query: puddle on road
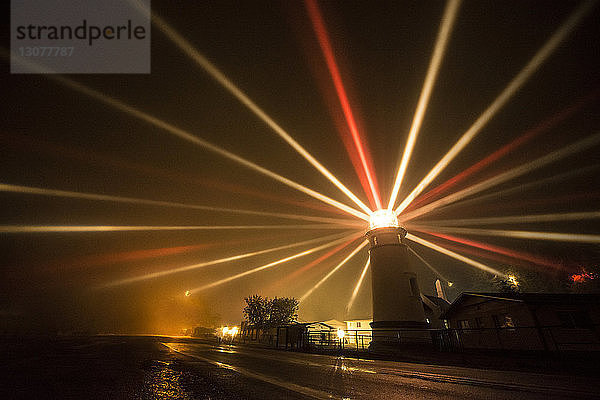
{"x": 164, "y": 381}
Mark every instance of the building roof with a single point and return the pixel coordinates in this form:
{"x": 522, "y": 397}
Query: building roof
{"x": 438, "y": 301}
{"x": 334, "y": 323}
{"x": 308, "y": 324}
{"x": 526, "y": 298}
{"x": 369, "y": 318}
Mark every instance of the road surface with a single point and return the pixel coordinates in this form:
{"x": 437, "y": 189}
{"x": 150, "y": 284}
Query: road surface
{"x": 170, "y": 368}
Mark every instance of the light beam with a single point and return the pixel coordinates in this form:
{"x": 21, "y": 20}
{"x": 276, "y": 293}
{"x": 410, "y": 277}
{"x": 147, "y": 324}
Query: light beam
{"x": 517, "y": 255}
{"x": 518, "y": 219}
{"x": 521, "y": 188}
{"x": 517, "y": 234}
{"x": 434, "y": 66}
{"x": 321, "y": 32}
{"x": 557, "y": 155}
{"x": 219, "y": 261}
{"x": 128, "y": 228}
{"x": 269, "y": 265}
{"x": 102, "y": 197}
{"x": 428, "y": 265}
{"x": 513, "y": 87}
{"x": 334, "y": 270}
{"x": 358, "y": 284}
{"x": 454, "y": 255}
{"x": 110, "y": 161}
{"x": 188, "y": 137}
{"x": 319, "y": 260}
{"x": 227, "y": 84}
{"x": 508, "y": 148}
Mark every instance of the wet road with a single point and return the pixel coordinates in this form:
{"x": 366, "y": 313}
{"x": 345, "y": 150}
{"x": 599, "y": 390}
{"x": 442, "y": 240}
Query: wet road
{"x": 169, "y": 368}
{"x": 300, "y": 375}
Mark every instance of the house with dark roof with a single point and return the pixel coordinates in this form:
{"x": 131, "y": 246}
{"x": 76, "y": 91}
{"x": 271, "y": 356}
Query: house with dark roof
{"x": 434, "y": 307}
{"x": 525, "y": 321}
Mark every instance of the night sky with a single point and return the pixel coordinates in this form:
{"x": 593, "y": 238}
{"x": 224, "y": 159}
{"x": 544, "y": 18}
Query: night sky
{"x": 54, "y": 137}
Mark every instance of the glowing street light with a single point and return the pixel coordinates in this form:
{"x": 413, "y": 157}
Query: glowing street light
{"x": 512, "y": 280}
{"x": 340, "y": 335}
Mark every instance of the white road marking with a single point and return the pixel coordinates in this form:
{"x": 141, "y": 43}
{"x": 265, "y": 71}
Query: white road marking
{"x": 317, "y": 394}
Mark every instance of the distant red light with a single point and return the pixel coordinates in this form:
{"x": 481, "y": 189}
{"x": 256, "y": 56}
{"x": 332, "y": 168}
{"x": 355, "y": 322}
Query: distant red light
{"x": 583, "y": 276}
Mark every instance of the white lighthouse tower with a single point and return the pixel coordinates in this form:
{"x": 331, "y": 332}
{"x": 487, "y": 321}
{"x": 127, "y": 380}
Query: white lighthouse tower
{"x": 398, "y": 315}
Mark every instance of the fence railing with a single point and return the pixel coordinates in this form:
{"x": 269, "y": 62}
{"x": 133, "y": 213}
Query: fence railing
{"x": 544, "y": 338}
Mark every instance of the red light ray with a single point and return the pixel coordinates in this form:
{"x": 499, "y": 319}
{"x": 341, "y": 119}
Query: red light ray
{"x": 527, "y": 136}
{"x": 104, "y": 160}
{"x": 482, "y": 254}
{"x": 135, "y": 255}
{"x": 503, "y": 251}
{"x": 294, "y": 275}
{"x": 96, "y": 260}
{"x": 323, "y": 38}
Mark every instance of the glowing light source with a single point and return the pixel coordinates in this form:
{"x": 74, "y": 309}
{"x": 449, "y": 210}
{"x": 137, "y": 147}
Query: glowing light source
{"x": 340, "y": 333}
{"x": 233, "y": 331}
{"x": 583, "y": 276}
{"x": 434, "y": 66}
{"x": 512, "y": 280}
{"x": 188, "y": 293}
{"x": 513, "y": 87}
{"x": 383, "y": 219}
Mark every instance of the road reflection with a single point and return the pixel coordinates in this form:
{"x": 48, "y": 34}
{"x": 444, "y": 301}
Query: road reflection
{"x": 164, "y": 382}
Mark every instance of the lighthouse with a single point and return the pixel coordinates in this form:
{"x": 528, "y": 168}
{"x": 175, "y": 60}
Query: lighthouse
{"x": 398, "y": 315}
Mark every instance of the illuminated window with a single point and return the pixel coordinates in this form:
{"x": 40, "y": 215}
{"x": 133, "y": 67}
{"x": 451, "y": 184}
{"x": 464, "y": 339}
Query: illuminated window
{"x": 503, "y": 321}
{"x": 464, "y": 324}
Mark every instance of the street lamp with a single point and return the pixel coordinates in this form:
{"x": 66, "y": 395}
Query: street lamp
{"x": 340, "y": 334}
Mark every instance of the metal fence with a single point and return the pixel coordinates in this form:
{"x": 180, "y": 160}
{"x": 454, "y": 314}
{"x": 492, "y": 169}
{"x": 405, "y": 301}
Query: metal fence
{"x": 545, "y": 338}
